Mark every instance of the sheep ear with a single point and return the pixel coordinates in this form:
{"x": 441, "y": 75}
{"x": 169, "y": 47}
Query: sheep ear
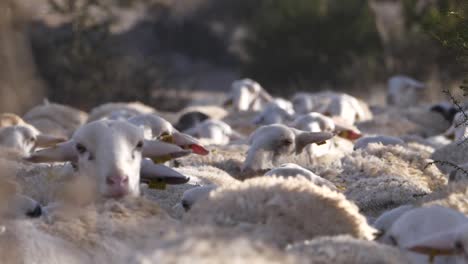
{"x": 347, "y": 133}
{"x": 186, "y": 141}
{"x": 439, "y": 244}
{"x": 228, "y": 102}
{"x": 59, "y": 153}
{"x": 48, "y": 141}
{"x": 305, "y": 138}
{"x": 161, "y": 152}
{"x": 151, "y": 172}
{"x": 265, "y": 95}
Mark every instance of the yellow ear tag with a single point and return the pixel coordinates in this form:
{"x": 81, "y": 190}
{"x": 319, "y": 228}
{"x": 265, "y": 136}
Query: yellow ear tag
{"x": 341, "y": 188}
{"x": 343, "y": 134}
{"x": 167, "y": 138}
{"x": 161, "y": 159}
{"x": 158, "y": 185}
{"x": 321, "y": 143}
{"x": 228, "y": 103}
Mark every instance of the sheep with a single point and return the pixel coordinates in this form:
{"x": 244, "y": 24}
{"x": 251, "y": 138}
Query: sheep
{"x": 214, "y": 132}
{"x": 406, "y": 121}
{"x": 375, "y": 195}
{"x": 246, "y": 95}
{"x": 119, "y": 111}
{"x": 190, "y": 120}
{"x": 293, "y": 170}
{"x": 107, "y": 232}
{"x": 280, "y": 211}
{"x": 363, "y": 142}
{"x": 453, "y": 153}
{"x": 112, "y": 152}
{"x": 458, "y": 131}
{"x": 212, "y": 111}
{"x": 8, "y": 119}
{"x": 273, "y": 114}
{"x": 305, "y": 103}
{"x": 55, "y": 119}
{"x": 345, "y": 249}
{"x": 408, "y": 162}
{"x": 210, "y": 245}
{"x": 25, "y": 138}
{"x": 13, "y": 204}
{"x": 420, "y": 223}
{"x": 386, "y": 220}
{"x": 403, "y": 91}
{"x": 156, "y": 127}
{"x": 453, "y": 242}
{"x": 191, "y": 196}
{"x": 454, "y": 196}
{"x": 348, "y": 108}
{"x": 279, "y": 140}
{"x": 316, "y": 122}
{"x": 446, "y": 109}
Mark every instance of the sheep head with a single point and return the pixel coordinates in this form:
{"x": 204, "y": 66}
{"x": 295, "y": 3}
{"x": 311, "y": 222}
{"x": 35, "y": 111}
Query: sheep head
{"x": 112, "y": 153}
{"x": 25, "y": 138}
{"x": 156, "y": 127}
{"x": 452, "y": 242}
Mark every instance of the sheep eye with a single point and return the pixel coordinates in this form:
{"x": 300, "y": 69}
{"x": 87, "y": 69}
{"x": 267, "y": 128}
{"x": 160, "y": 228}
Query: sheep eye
{"x": 287, "y": 142}
{"x": 458, "y": 246}
{"x": 393, "y": 241}
{"x": 32, "y": 139}
{"x": 80, "y": 148}
{"x": 139, "y": 145}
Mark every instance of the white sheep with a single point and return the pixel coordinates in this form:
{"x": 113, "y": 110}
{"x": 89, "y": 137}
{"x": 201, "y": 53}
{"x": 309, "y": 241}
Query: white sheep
{"x": 56, "y": 119}
{"x": 363, "y": 142}
{"x": 316, "y": 122}
{"x": 294, "y": 170}
{"x": 214, "y": 132}
{"x": 156, "y": 127}
{"x": 119, "y": 111}
{"x": 420, "y": 223}
{"x": 305, "y": 103}
{"x": 452, "y": 242}
{"x": 191, "y": 196}
{"x": 459, "y": 129}
{"x": 277, "y": 140}
{"x": 397, "y": 122}
{"x": 273, "y": 114}
{"x": 348, "y": 108}
{"x": 280, "y": 211}
{"x": 385, "y": 221}
{"x": 25, "y": 138}
{"x": 9, "y": 119}
{"x": 246, "y": 95}
{"x": 112, "y": 152}
{"x": 404, "y": 91}
{"x": 345, "y": 249}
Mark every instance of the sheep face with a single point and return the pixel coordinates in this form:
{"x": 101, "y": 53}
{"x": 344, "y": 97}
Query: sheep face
{"x": 20, "y": 138}
{"x": 111, "y": 152}
{"x": 247, "y": 95}
{"x": 25, "y": 138}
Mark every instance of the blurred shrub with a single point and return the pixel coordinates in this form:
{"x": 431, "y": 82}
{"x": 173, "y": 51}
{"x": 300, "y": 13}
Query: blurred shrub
{"x": 311, "y": 41}
{"x": 82, "y": 62}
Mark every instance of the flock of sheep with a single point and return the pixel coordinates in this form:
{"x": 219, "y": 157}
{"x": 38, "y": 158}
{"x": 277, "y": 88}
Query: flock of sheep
{"x": 322, "y": 178}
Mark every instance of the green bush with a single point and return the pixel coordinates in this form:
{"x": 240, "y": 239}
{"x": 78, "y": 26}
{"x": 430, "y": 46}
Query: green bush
{"x": 310, "y": 40}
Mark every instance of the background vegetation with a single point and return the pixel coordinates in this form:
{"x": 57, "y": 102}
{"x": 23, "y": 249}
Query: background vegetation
{"x": 86, "y": 52}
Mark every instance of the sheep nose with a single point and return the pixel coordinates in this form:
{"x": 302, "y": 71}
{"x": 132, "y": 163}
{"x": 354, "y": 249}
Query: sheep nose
{"x": 119, "y": 180}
